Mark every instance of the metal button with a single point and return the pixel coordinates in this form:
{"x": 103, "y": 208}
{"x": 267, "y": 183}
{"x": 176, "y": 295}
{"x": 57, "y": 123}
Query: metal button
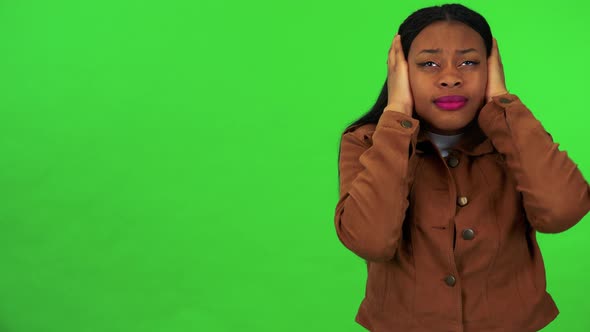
{"x": 406, "y": 124}
{"x": 505, "y": 100}
{"x": 468, "y": 234}
{"x": 452, "y": 161}
{"x": 462, "y": 201}
{"x": 450, "y": 280}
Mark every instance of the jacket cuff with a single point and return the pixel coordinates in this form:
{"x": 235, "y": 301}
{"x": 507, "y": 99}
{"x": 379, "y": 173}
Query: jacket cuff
{"x": 398, "y": 120}
{"x": 494, "y": 110}
{"x": 401, "y": 123}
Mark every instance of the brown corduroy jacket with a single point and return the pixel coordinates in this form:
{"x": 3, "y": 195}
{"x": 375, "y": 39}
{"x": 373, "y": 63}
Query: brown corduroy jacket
{"x": 450, "y": 242}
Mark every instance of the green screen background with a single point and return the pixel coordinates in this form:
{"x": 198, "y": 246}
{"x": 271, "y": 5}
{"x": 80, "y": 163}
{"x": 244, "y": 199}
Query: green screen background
{"x": 172, "y": 166}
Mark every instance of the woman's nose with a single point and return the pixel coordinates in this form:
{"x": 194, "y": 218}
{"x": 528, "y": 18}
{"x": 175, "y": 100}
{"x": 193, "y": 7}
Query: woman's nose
{"x": 450, "y": 82}
{"x": 451, "y": 79}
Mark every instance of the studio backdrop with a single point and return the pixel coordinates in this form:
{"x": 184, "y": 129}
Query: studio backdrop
{"x": 172, "y": 165}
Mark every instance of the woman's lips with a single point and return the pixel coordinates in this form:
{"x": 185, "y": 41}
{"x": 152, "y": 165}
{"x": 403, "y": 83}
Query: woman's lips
{"x": 450, "y": 103}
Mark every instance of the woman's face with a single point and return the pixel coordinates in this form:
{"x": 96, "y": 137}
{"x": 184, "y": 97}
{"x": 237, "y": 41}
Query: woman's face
{"x": 447, "y": 58}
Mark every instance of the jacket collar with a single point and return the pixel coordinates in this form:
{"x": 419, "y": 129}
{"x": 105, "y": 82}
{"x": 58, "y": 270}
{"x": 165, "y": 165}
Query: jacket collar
{"x": 474, "y": 142}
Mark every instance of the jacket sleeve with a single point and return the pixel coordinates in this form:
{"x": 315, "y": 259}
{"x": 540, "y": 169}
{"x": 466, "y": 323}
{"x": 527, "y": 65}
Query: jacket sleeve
{"x": 555, "y": 195}
{"x": 374, "y": 186}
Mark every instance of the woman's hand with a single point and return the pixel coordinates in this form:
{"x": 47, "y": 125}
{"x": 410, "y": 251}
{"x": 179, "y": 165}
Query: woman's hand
{"x": 399, "y": 95}
{"x": 496, "y": 84}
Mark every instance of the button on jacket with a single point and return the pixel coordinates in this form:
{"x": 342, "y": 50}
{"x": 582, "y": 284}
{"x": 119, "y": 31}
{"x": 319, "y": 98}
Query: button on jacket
{"x": 450, "y": 242}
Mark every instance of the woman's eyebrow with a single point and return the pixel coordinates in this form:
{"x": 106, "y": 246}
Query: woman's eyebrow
{"x": 438, "y": 50}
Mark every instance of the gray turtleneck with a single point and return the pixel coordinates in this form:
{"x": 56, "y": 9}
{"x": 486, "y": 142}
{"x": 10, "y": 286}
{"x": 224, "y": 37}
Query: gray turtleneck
{"x": 444, "y": 142}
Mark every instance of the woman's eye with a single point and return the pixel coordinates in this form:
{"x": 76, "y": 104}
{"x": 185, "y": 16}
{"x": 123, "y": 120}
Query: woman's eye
{"x": 473, "y": 63}
{"x": 433, "y": 64}
{"x": 428, "y": 64}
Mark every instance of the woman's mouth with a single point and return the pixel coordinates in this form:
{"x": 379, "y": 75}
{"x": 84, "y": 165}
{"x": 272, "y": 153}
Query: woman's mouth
{"x": 450, "y": 103}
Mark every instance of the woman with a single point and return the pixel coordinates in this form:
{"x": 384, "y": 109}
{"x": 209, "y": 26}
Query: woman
{"x": 444, "y": 184}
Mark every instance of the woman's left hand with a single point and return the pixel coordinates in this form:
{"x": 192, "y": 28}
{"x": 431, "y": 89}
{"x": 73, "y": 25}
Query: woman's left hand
{"x": 496, "y": 85}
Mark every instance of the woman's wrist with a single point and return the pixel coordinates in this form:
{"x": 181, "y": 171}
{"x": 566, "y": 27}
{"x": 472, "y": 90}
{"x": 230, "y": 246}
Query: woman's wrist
{"x": 394, "y": 107}
{"x": 490, "y": 98}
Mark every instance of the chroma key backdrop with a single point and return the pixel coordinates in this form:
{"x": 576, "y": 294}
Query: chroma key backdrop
{"x": 171, "y": 166}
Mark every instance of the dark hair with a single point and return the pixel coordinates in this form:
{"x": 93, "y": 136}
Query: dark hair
{"x": 412, "y": 26}
{"x": 409, "y": 29}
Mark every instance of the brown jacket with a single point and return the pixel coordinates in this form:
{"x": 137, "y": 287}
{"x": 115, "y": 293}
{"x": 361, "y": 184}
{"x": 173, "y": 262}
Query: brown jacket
{"x": 450, "y": 242}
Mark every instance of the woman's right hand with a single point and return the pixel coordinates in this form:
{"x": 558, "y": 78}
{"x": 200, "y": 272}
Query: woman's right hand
{"x": 399, "y": 94}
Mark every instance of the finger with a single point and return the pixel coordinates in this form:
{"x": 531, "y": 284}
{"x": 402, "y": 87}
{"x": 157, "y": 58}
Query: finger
{"x": 393, "y": 52}
{"x": 498, "y": 52}
{"x": 493, "y": 53}
{"x": 495, "y": 48}
{"x": 494, "y": 59}
{"x": 392, "y": 44}
{"x": 498, "y": 58}
{"x": 398, "y": 50}
{"x": 390, "y": 50}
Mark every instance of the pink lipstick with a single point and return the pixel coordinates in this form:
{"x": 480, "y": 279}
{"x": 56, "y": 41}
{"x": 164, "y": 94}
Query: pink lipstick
{"x": 450, "y": 103}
